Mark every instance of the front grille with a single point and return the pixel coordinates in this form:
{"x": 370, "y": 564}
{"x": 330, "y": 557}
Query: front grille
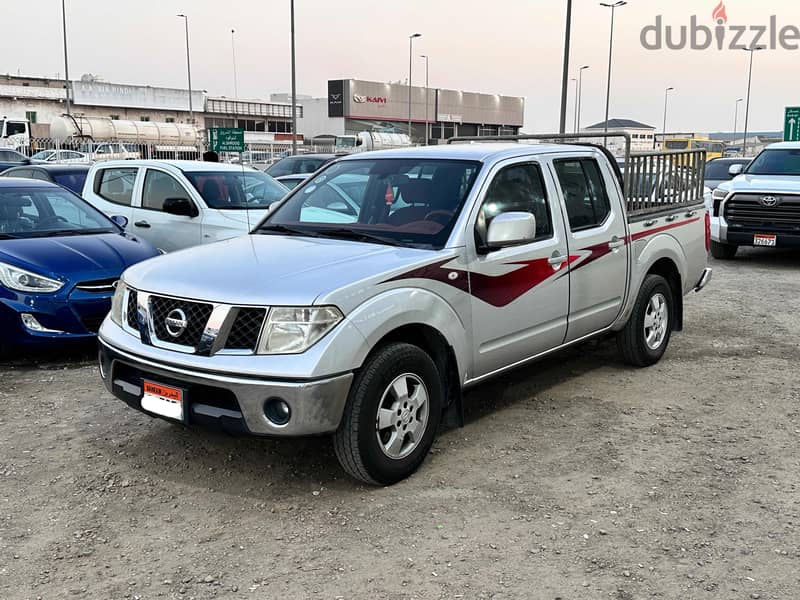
{"x": 197, "y": 315}
{"x": 245, "y": 330}
{"x": 747, "y": 211}
{"x": 98, "y": 286}
{"x": 132, "y": 310}
{"x": 93, "y": 322}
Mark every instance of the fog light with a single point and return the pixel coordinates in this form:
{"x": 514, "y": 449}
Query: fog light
{"x": 31, "y": 324}
{"x": 277, "y": 412}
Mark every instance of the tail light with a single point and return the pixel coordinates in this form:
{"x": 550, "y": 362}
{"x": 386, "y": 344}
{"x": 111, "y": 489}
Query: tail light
{"x": 708, "y": 232}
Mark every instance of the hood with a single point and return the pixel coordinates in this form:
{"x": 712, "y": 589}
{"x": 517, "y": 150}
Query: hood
{"x": 77, "y": 257}
{"x": 269, "y": 270}
{"x": 773, "y": 184}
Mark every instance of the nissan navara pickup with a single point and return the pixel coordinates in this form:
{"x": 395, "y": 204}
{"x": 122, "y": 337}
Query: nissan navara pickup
{"x": 387, "y": 283}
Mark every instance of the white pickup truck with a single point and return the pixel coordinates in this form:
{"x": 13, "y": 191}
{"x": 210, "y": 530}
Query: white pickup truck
{"x": 389, "y": 282}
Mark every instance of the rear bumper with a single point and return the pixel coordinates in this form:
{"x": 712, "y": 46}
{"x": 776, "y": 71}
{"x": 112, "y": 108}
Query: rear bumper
{"x": 704, "y": 279}
{"x": 234, "y": 404}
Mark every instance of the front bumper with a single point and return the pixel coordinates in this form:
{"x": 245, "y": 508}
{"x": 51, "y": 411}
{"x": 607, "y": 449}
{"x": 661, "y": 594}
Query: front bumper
{"x": 234, "y": 404}
{"x": 722, "y": 232}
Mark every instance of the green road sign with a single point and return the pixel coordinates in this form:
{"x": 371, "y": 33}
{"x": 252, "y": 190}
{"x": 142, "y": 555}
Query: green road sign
{"x": 791, "y": 124}
{"x": 226, "y": 139}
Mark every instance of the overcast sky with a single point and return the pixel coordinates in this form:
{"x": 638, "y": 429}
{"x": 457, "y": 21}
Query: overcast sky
{"x": 499, "y": 46}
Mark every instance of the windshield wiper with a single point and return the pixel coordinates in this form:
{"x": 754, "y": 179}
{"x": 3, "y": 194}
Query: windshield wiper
{"x": 8, "y": 236}
{"x": 59, "y": 232}
{"x": 359, "y": 236}
{"x": 270, "y": 228}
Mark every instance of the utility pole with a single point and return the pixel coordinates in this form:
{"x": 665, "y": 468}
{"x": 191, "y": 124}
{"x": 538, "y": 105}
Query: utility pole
{"x": 294, "y": 86}
{"x": 66, "y": 59}
{"x": 565, "y": 73}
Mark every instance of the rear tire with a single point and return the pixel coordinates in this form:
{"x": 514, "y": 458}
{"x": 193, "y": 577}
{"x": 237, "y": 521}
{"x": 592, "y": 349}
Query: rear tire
{"x": 391, "y": 416}
{"x": 722, "y": 251}
{"x": 646, "y": 335}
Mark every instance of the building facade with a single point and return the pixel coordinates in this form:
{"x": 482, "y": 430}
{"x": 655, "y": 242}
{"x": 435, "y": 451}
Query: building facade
{"x": 354, "y": 105}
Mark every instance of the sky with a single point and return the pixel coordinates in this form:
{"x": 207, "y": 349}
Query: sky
{"x": 510, "y": 47}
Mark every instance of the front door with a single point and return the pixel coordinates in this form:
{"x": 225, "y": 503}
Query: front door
{"x": 165, "y": 231}
{"x": 597, "y": 239}
{"x": 519, "y": 294}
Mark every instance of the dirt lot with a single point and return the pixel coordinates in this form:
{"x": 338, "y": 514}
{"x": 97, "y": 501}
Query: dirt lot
{"x": 574, "y": 478}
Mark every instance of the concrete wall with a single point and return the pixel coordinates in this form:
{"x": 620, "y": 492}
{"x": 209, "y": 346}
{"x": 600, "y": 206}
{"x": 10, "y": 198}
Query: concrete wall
{"x": 98, "y": 93}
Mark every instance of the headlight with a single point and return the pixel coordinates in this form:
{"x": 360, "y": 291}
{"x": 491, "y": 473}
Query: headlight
{"x": 292, "y": 330}
{"x": 24, "y": 281}
{"x": 117, "y": 303}
{"x": 719, "y": 194}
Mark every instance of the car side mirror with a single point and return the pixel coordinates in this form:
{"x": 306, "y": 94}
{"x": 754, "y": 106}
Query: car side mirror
{"x": 511, "y": 229}
{"x": 120, "y": 220}
{"x": 735, "y": 170}
{"x": 182, "y": 207}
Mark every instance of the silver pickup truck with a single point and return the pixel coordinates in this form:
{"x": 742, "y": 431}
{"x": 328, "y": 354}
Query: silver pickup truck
{"x": 389, "y": 282}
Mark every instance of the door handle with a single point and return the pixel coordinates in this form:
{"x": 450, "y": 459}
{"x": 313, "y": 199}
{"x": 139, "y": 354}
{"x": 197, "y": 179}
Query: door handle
{"x": 616, "y": 243}
{"x": 556, "y": 260}
{"x": 142, "y": 224}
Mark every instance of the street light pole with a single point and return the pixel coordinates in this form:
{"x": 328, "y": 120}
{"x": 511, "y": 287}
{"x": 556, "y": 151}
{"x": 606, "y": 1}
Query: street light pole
{"x": 580, "y": 93}
{"x": 66, "y": 60}
{"x": 233, "y": 55}
{"x": 736, "y": 118}
{"x": 664, "y": 130}
{"x": 294, "y": 85}
{"x": 427, "y": 89}
{"x": 410, "y": 54}
{"x": 752, "y": 50}
{"x": 188, "y": 66}
{"x": 575, "y": 118}
{"x": 613, "y": 8}
{"x": 565, "y": 72}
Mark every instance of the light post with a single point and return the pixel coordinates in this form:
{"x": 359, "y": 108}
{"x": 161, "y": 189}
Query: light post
{"x": 233, "y": 55}
{"x": 294, "y": 85}
{"x": 752, "y": 50}
{"x": 736, "y": 118}
{"x": 613, "y": 8}
{"x": 565, "y": 73}
{"x": 580, "y": 93}
{"x": 575, "y": 118}
{"x": 410, "y": 54}
{"x": 188, "y": 66}
{"x": 66, "y": 61}
{"x": 664, "y": 130}
{"x": 427, "y": 89}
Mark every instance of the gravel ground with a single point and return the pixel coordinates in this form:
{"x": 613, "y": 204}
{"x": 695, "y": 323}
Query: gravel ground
{"x": 574, "y": 478}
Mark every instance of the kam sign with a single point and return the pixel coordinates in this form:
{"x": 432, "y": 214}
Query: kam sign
{"x": 791, "y": 124}
{"x": 226, "y": 139}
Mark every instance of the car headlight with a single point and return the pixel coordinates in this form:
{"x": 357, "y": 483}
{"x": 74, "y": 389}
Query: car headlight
{"x": 719, "y": 194}
{"x": 21, "y": 280}
{"x": 291, "y": 330}
{"x": 117, "y": 303}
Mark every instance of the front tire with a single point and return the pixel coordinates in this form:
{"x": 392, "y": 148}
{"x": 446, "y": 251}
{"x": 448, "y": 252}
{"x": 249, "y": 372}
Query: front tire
{"x": 646, "y": 335}
{"x": 391, "y": 416}
{"x": 722, "y": 251}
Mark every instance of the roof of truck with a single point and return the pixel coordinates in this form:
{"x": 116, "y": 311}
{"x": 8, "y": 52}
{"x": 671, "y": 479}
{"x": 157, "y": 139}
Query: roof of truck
{"x": 480, "y": 151}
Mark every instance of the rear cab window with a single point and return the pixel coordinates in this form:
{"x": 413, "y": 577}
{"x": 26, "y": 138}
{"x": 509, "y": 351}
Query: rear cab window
{"x": 585, "y": 195}
{"x": 116, "y": 185}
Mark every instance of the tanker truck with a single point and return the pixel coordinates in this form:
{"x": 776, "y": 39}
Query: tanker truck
{"x": 371, "y": 140}
{"x": 102, "y": 138}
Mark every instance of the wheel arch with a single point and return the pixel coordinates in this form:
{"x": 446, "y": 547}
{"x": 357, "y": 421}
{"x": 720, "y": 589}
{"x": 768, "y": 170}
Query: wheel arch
{"x": 666, "y": 268}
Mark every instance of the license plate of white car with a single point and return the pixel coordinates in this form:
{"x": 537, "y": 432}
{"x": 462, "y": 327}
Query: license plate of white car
{"x": 762, "y": 239}
{"x": 163, "y": 400}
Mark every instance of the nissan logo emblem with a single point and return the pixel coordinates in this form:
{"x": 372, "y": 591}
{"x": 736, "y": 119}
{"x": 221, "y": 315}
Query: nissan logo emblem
{"x": 769, "y": 201}
{"x": 176, "y": 322}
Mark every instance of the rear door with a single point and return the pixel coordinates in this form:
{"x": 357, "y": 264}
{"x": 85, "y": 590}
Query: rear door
{"x": 520, "y": 294}
{"x": 165, "y": 231}
{"x": 596, "y": 237}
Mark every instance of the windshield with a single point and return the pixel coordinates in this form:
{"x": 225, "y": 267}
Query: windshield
{"x": 718, "y": 170}
{"x": 676, "y": 144}
{"x": 36, "y": 212}
{"x": 401, "y": 201}
{"x": 776, "y": 162}
{"x": 293, "y": 165}
{"x": 43, "y": 155}
{"x": 230, "y": 190}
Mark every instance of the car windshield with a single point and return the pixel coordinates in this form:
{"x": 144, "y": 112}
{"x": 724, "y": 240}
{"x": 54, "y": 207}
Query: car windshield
{"x": 47, "y": 211}
{"x": 230, "y": 190}
{"x": 293, "y": 165}
{"x": 43, "y": 155}
{"x": 785, "y": 161}
{"x": 71, "y": 181}
{"x": 718, "y": 169}
{"x": 412, "y": 202}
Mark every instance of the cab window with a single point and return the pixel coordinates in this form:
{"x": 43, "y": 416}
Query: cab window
{"x": 158, "y": 186}
{"x": 584, "y": 192}
{"x": 115, "y": 185}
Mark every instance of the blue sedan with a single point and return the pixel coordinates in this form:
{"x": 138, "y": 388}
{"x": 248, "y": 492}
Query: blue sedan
{"x": 60, "y": 260}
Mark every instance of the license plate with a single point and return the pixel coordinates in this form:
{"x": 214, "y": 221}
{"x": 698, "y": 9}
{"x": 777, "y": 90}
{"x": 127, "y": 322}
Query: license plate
{"x": 761, "y": 239}
{"x": 163, "y": 400}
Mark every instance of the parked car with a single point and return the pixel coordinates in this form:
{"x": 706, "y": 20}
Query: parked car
{"x": 718, "y": 170}
{"x": 71, "y": 177}
{"x": 61, "y": 156}
{"x": 109, "y": 151}
{"x": 461, "y": 262}
{"x": 12, "y": 158}
{"x": 300, "y": 164}
{"x": 176, "y": 204}
{"x": 291, "y": 181}
{"x": 59, "y": 262}
{"x": 760, "y": 206}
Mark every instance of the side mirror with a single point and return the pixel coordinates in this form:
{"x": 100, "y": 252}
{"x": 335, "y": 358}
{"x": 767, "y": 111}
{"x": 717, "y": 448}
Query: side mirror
{"x": 182, "y": 207}
{"x": 735, "y": 170}
{"x": 120, "y": 220}
{"x": 511, "y": 229}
